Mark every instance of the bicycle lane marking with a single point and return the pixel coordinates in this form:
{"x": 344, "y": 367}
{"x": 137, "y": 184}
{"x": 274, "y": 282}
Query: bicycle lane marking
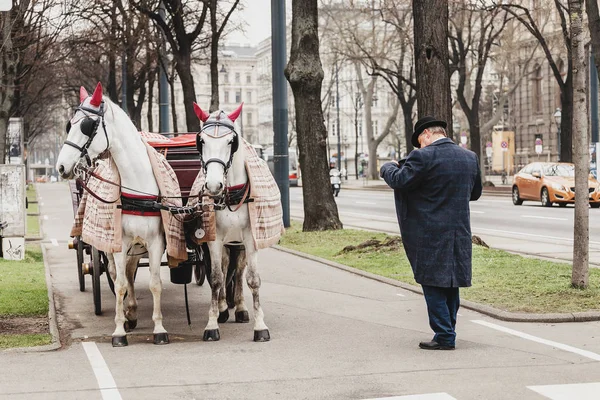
{"x": 106, "y": 382}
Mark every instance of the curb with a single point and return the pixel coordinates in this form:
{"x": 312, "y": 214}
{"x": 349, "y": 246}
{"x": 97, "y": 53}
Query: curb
{"x": 52, "y": 320}
{"x": 481, "y": 308}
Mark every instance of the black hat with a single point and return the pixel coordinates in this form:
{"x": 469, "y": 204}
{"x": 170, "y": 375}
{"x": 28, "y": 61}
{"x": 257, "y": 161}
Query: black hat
{"x": 422, "y": 124}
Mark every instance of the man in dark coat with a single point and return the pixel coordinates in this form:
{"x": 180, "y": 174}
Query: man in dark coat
{"x": 432, "y": 189}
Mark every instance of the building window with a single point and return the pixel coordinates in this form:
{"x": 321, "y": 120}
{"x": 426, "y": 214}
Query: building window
{"x": 375, "y": 129}
{"x": 249, "y": 118}
{"x": 536, "y": 95}
{"x": 248, "y": 78}
{"x": 226, "y": 97}
{"x": 237, "y": 77}
{"x": 226, "y": 77}
{"x": 375, "y": 98}
{"x": 238, "y": 96}
{"x": 249, "y": 96}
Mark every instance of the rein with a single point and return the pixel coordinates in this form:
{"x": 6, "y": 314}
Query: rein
{"x": 90, "y": 129}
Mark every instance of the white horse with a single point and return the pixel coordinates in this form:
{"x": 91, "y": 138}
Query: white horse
{"x": 100, "y": 126}
{"x": 222, "y": 154}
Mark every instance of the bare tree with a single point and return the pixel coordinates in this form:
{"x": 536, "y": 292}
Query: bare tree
{"x": 581, "y": 229}
{"x": 305, "y": 75}
{"x": 182, "y": 15}
{"x": 432, "y": 59}
{"x": 524, "y": 16}
{"x": 216, "y": 31}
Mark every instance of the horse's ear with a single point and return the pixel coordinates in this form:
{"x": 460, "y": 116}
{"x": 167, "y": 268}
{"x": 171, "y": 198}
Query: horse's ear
{"x": 233, "y": 116}
{"x": 97, "y": 96}
{"x": 200, "y": 113}
{"x": 83, "y": 94}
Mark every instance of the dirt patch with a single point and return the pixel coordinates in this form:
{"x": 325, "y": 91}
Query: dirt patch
{"x": 23, "y": 325}
{"x": 390, "y": 243}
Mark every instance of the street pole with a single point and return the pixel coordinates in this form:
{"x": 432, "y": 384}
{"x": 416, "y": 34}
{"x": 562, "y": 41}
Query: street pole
{"x": 558, "y": 129}
{"x": 593, "y": 98}
{"x": 124, "y": 82}
{"x": 280, "y": 106}
{"x": 337, "y": 124}
{"x": 163, "y": 82}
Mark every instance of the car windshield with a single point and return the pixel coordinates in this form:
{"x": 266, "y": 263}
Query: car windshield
{"x": 559, "y": 170}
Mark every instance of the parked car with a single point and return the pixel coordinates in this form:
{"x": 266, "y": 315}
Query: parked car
{"x": 550, "y": 183}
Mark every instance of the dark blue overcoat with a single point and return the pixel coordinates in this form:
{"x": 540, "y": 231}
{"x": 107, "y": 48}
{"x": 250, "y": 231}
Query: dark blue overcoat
{"x": 432, "y": 191}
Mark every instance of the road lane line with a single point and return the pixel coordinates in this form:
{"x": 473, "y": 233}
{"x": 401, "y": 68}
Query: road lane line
{"x": 54, "y": 242}
{"x": 579, "y": 391}
{"x": 477, "y": 212}
{"x": 367, "y": 203}
{"x": 106, "y": 382}
{"x": 526, "y": 234}
{"x": 539, "y": 217}
{"x": 565, "y": 347}
{"x": 400, "y": 294}
{"x": 428, "y": 396}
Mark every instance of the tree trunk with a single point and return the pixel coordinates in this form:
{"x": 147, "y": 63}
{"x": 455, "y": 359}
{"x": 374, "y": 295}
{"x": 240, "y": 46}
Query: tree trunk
{"x": 407, "y": 109}
{"x": 593, "y": 15}
{"x": 7, "y": 79}
{"x": 214, "y": 58}
{"x": 173, "y": 102}
{"x": 183, "y": 67}
{"x": 305, "y": 75}
{"x": 151, "y": 81}
{"x": 581, "y": 231}
{"x": 432, "y": 60}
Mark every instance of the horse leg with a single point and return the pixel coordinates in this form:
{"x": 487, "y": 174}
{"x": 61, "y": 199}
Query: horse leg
{"x": 261, "y": 332}
{"x": 211, "y": 332}
{"x": 223, "y": 308}
{"x": 241, "y": 311}
{"x": 156, "y": 249}
{"x": 119, "y": 336}
{"x": 131, "y": 313}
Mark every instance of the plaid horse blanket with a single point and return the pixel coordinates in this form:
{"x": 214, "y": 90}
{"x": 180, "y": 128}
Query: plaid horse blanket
{"x": 266, "y": 214}
{"x": 99, "y": 224}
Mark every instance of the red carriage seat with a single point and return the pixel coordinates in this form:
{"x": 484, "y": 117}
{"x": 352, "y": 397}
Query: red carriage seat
{"x": 182, "y": 155}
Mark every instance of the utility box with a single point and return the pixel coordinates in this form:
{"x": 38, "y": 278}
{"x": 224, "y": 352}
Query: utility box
{"x": 12, "y": 208}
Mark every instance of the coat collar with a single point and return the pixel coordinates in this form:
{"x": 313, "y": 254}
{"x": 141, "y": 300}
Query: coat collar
{"x": 441, "y": 141}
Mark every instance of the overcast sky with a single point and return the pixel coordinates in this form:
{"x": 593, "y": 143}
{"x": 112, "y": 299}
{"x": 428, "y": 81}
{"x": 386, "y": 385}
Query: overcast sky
{"x": 257, "y": 19}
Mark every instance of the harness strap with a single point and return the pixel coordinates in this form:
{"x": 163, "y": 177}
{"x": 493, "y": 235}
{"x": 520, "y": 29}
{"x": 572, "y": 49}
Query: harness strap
{"x": 243, "y": 198}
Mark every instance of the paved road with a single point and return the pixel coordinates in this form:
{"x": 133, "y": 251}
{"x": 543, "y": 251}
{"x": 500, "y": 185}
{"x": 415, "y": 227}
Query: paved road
{"x": 530, "y": 228}
{"x": 335, "y": 335}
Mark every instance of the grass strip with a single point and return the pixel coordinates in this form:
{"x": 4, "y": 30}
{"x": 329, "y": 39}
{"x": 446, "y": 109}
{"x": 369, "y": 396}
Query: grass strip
{"x": 500, "y": 279}
{"x": 10, "y": 341}
{"x": 23, "y": 290}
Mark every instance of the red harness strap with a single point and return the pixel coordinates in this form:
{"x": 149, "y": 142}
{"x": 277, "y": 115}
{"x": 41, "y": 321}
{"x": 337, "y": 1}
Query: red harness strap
{"x": 137, "y": 212}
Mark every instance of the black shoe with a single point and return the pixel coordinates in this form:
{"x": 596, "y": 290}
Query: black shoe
{"x": 433, "y": 345}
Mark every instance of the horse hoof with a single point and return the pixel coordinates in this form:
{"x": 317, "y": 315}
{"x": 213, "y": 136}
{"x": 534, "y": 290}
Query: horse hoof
{"x": 242, "y": 316}
{"x": 223, "y": 316}
{"x": 262, "y": 336}
{"x": 130, "y": 325}
{"x": 161, "y": 338}
{"x": 119, "y": 341}
{"x": 211, "y": 335}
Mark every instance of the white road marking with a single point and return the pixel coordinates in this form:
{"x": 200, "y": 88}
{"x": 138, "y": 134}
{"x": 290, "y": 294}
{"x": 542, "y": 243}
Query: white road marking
{"x": 54, "y": 242}
{"x": 106, "y": 382}
{"x": 368, "y": 203}
{"x": 539, "y": 217}
{"x": 400, "y": 294}
{"x": 579, "y": 391}
{"x": 459, "y": 314}
{"x": 565, "y": 347}
{"x": 428, "y": 396}
{"x": 477, "y": 212}
{"x": 45, "y": 218}
{"x": 527, "y": 234}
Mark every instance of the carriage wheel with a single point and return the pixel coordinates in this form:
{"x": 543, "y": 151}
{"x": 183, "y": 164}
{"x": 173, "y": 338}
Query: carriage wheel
{"x": 80, "y": 264}
{"x": 96, "y": 271}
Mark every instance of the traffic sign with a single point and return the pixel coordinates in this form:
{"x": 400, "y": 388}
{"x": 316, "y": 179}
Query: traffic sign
{"x": 504, "y": 145}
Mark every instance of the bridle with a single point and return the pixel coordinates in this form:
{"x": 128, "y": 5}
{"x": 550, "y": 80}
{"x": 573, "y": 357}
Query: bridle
{"x": 89, "y": 128}
{"x": 214, "y": 125}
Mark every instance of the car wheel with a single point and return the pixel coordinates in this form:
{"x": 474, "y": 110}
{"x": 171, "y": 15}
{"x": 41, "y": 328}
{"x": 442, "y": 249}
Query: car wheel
{"x": 594, "y": 205}
{"x": 563, "y": 204}
{"x": 517, "y": 201}
{"x": 546, "y": 198}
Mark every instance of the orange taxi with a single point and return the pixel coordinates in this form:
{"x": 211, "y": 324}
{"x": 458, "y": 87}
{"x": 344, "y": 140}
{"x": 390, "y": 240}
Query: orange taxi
{"x": 550, "y": 183}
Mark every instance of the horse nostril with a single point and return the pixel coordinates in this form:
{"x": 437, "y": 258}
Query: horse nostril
{"x": 61, "y": 169}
